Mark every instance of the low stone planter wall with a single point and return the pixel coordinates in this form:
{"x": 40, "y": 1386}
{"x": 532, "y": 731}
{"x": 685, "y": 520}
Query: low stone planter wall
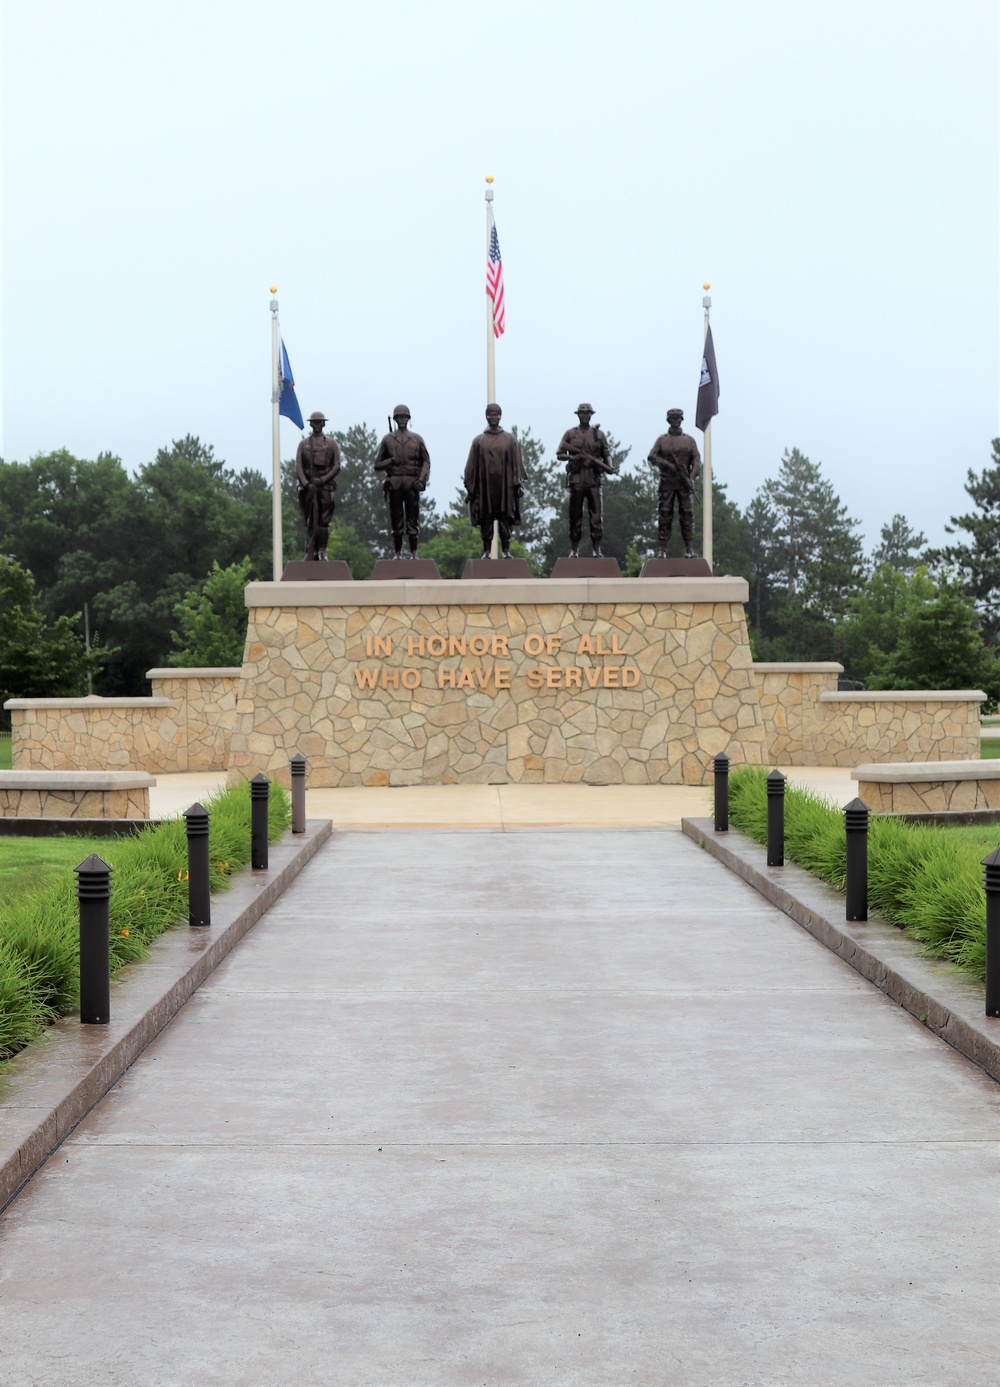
{"x": 186, "y": 726}
{"x": 809, "y": 722}
{"x": 74, "y": 795}
{"x": 929, "y": 787}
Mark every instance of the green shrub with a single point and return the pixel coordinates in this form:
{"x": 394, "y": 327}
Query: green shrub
{"x": 39, "y": 932}
{"x": 924, "y": 878}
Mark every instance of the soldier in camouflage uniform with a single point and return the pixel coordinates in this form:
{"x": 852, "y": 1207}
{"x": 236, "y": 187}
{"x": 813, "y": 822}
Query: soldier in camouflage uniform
{"x": 587, "y": 456}
{"x": 675, "y": 455}
{"x": 404, "y": 459}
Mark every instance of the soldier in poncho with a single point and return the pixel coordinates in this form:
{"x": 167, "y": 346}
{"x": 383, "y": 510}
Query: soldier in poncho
{"x": 494, "y": 482}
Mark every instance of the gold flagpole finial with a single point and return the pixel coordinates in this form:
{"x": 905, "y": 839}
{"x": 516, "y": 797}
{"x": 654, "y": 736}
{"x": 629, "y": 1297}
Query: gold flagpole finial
{"x": 274, "y": 288}
{"x": 706, "y": 286}
{"x": 489, "y": 178}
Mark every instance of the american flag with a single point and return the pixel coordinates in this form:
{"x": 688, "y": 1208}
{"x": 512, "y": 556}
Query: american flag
{"x": 494, "y": 283}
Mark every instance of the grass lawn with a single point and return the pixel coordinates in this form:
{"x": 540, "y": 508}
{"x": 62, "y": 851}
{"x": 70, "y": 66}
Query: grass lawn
{"x": 989, "y": 749}
{"x": 5, "y": 745}
{"x": 26, "y": 863}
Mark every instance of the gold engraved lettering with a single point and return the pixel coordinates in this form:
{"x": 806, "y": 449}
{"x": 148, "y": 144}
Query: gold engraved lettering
{"x": 500, "y": 645}
{"x": 368, "y": 646}
{"x": 574, "y": 677}
{"x": 627, "y": 682}
{"x": 552, "y": 644}
{"x": 616, "y": 649}
{"x": 553, "y": 677}
{"x": 484, "y": 676}
{"x": 383, "y": 645}
{"x": 466, "y": 679}
{"x": 446, "y": 678}
{"x": 586, "y": 646}
{"x": 612, "y": 677}
{"x": 479, "y": 645}
{"x": 390, "y": 678}
{"x": 501, "y": 676}
{"x": 536, "y": 678}
{"x": 412, "y": 678}
{"x": 593, "y": 677}
{"x": 437, "y": 645}
{"x": 367, "y": 678}
{"x": 534, "y": 644}
{"x": 415, "y": 645}
{"x": 456, "y": 645}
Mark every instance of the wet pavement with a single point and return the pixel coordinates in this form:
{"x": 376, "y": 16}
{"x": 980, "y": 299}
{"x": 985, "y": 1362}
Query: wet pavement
{"x": 538, "y": 1106}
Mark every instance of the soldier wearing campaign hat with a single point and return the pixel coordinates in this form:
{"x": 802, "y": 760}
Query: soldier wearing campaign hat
{"x": 587, "y": 456}
{"x": 404, "y": 459}
{"x": 317, "y": 462}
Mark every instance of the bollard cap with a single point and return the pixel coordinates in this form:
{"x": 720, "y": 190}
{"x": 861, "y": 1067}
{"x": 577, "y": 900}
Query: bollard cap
{"x": 259, "y": 786}
{"x": 197, "y": 821}
{"x": 721, "y": 763}
{"x": 775, "y": 783}
{"x": 298, "y": 764}
{"x": 991, "y": 876}
{"x": 93, "y": 879}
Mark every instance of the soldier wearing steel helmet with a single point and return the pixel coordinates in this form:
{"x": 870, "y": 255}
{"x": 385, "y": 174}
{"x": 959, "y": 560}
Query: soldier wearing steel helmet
{"x": 675, "y": 456}
{"x": 317, "y": 462}
{"x": 587, "y": 456}
{"x": 404, "y": 459}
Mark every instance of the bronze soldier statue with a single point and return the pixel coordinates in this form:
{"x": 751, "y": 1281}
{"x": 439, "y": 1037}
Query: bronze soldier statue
{"x": 404, "y": 458}
{"x": 677, "y": 457}
{"x": 317, "y": 462}
{"x": 587, "y": 456}
{"x": 494, "y": 482}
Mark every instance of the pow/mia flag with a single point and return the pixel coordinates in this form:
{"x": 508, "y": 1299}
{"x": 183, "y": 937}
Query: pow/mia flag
{"x": 708, "y": 386}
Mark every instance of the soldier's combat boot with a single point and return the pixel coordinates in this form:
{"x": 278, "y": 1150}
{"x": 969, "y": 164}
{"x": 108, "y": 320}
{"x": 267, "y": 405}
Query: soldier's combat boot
{"x": 690, "y": 554}
{"x": 597, "y": 552}
{"x": 574, "y": 553}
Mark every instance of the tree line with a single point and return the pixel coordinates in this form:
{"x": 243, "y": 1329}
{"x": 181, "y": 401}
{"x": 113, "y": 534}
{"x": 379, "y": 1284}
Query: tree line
{"x": 158, "y": 561}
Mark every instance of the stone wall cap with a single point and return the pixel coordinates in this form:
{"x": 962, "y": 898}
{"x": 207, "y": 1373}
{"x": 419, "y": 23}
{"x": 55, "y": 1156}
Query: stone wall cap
{"x": 904, "y": 696}
{"x": 75, "y": 780}
{"x": 798, "y": 667}
{"x": 539, "y": 592}
{"x": 192, "y": 672}
{"x": 95, "y": 702}
{"x": 902, "y": 773}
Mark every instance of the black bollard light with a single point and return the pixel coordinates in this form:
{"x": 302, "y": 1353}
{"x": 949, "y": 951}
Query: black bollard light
{"x": 199, "y": 890}
{"x": 775, "y": 819}
{"x": 259, "y": 789}
{"x": 991, "y": 885}
{"x": 721, "y": 766}
{"x": 93, "y": 891}
{"x": 856, "y": 832}
{"x": 298, "y": 767}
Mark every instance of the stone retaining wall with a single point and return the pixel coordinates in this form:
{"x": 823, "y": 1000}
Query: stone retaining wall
{"x": 186, "y": 726}
{"x": 810, "y": 723}
{"x": 74, "y": 795}
{"x": 561, "y": 681}
{"x": 931, "y": 787}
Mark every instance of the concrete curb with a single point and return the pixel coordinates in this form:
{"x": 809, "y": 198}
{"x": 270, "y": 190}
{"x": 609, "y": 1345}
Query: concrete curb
{"x": 53, "y": 1083}
{"x": 947, "y": 1002}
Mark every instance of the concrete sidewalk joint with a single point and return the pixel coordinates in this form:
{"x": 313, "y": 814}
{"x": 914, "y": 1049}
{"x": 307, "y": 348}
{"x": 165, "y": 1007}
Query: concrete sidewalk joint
{"x": 54, "y": 1082}
{"x": 947, "y": 1002}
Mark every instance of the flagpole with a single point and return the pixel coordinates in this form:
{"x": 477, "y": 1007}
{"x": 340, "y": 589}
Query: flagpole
{"x": 491, "y": 374}
{"x": 277, "y": 564}
{"x": 706, "y": 475}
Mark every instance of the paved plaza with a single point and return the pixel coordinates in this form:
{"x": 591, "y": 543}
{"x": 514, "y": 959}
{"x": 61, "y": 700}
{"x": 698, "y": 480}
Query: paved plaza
{"x": 537, "y": 1106}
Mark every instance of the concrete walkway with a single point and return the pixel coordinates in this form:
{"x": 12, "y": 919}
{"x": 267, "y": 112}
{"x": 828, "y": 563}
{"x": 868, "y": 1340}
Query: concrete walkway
{"x": 529, "y": 1107}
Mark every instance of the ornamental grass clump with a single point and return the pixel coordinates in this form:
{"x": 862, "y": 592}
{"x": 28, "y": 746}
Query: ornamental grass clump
{"x": 39, "y": 932}
{"x": 926, "y": 879}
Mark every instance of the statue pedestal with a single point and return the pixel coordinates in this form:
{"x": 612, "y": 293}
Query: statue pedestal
{"x": 676, "y": 568}
{"x": 586, "y": 568}
{"x": 421, "y": 570}
{"x": 496, "y": 568}
{"x": 317, "y": 571}
{"x": 561, "y": 681}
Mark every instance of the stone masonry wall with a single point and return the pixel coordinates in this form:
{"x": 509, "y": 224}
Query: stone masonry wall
{"x": 204, "y": 704}
{"x": 809, "y": 723}
{"x": 58, "y": 803}
{"x": 929, "y": 796}
{"x": 502, "y": 690}
{"x": 58, "y": 734}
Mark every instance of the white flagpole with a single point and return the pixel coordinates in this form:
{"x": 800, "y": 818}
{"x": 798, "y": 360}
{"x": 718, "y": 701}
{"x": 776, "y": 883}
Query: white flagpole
{"x": 491, "y": 373}
{"x": 706, "y": 472}
{"x": 277, "y": 565}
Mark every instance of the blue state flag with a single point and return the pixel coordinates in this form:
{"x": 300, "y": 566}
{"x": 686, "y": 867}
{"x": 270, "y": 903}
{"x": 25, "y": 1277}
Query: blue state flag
{"x": 288, "y": 403}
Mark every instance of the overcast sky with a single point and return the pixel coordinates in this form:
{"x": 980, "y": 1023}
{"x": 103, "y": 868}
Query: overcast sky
{"x": 831, "y": 168}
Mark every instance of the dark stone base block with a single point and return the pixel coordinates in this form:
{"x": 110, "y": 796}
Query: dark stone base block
{"x": 313, "y": 571}
{"x": 676, "y": 568}
{"x": 586, "y": 568}
{"x": 424, "y": 569}
{"x": 497, "y": 568}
